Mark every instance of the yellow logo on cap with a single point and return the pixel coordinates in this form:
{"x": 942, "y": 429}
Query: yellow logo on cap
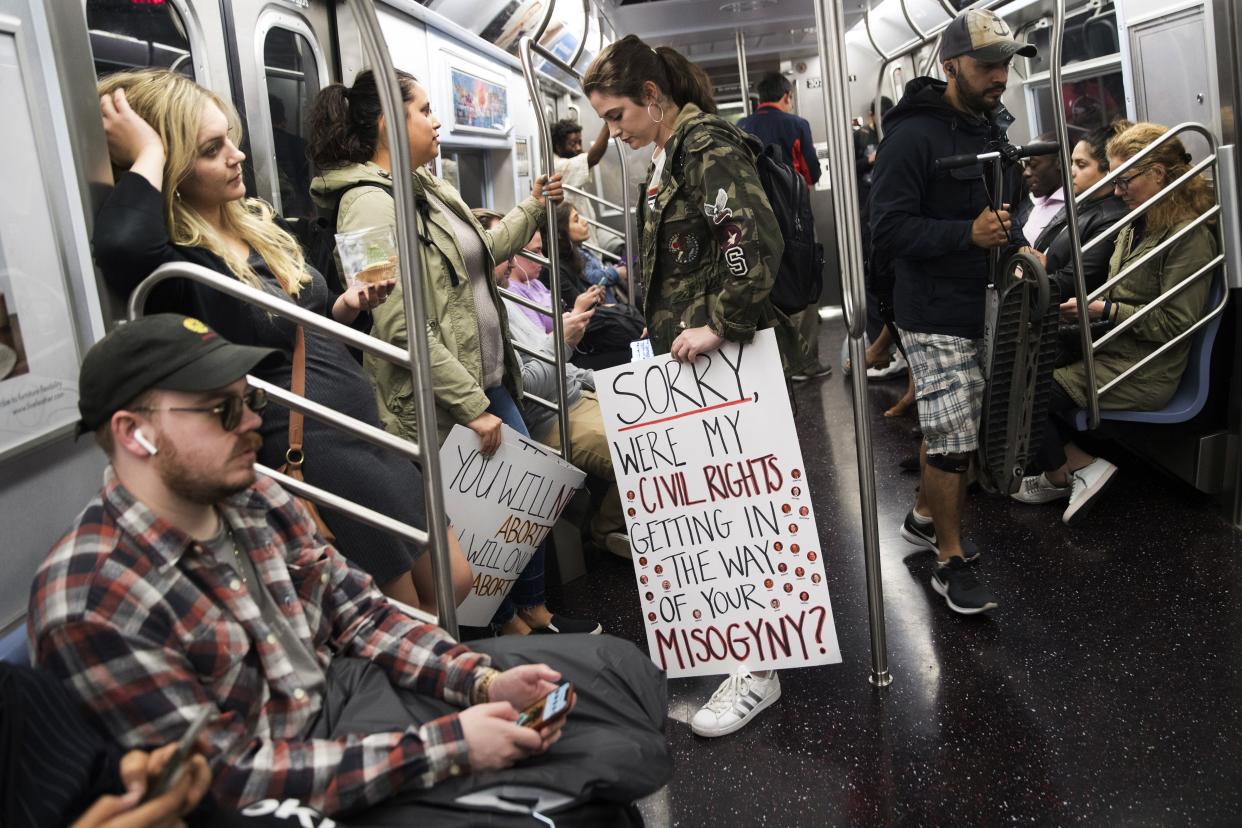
{"x": 192, "y": 324}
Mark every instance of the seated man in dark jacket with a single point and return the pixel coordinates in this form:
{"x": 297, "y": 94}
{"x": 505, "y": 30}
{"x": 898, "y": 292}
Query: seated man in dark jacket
{"x": 938, "y": 226}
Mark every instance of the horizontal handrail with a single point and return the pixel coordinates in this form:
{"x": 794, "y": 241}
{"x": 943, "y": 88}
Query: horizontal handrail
{"x": 539, "y": 355}
{"x": 1110, "y": 178}
{"x": 611, "y": 205}
{"x": 1151, "y": 306}
{"x": 1217, "y": 311}
{"x": 534, "y": 257}
{"x": 603, "y": 226}
{"x": 1151, "y": 254}
{"x": 524, "y": 302}
{"x": 356, "y": 511}
{"x": 542, "y": 403}
{"x": 555, "y": 61}
{"x": 1142, "y": 210}
{"x": 601, "y": 252}
{"x": 324, "y": 414}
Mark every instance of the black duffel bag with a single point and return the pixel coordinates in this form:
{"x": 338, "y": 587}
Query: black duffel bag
{"x": 613, "y": 328}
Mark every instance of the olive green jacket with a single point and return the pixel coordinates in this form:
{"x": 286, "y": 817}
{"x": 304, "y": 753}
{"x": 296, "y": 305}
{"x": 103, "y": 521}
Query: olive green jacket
{"x": 452, "y": 325}
{"x": 1150, "y": 387}
{"x": 709, "y": 243}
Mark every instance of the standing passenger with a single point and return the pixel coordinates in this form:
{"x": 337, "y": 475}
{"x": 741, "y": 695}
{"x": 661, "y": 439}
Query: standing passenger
{"x": 775, "y": 123}
{"x": 182, "y": 199}
{"x": 476, "y": 375}
{"x": 937, "y": 227}
{"x": 703, "y": 281}
{"x": 575, "y": 166}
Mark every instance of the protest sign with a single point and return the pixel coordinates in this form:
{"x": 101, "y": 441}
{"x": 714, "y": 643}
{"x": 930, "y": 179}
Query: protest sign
{"x": 726, "y": 551}
{"x": 502, "y": 507}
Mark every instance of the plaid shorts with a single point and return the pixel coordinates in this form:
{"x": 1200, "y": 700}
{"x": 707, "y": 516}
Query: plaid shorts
{"x": 948, "y": 385}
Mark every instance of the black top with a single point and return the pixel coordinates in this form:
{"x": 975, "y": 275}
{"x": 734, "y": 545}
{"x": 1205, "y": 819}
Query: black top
{"x": 1094, "y": 217}
{"x": 131, "y": 241}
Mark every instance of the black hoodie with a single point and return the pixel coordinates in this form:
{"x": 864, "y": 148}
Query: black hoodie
{"x": 921, "y": 218}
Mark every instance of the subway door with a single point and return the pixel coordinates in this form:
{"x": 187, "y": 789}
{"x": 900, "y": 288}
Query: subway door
{"x": 1174, "y": 72}
{"x": 282, "y": 61}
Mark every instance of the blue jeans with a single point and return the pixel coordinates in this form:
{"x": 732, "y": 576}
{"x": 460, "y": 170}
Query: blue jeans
{"x": 528, "y": 590}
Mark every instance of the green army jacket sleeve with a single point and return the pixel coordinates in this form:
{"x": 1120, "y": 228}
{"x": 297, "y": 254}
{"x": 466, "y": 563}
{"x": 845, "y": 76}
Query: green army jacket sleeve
{"x": 1180, "y": 260}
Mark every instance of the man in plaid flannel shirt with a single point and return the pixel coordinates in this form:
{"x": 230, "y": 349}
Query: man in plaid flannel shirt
{"x": 190, "y": 583}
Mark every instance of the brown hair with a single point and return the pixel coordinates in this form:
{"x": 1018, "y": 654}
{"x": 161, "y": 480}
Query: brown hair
{"x": 623, "y": 67}
{"x": 344, "y": 122}
{"x": 566, "y": 249}
{"x": 1098, "y": 140}
{"x": 1190, "y": 200}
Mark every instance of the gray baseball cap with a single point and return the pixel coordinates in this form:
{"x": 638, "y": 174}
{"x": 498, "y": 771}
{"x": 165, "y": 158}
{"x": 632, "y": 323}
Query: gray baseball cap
{"x": 984, "y": 36}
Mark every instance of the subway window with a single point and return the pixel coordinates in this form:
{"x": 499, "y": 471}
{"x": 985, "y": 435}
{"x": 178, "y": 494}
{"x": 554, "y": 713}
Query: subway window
{"x": 292, "y": 78}
{"x": 1090, "y": 102}
{"x": 1088, "y": 36}
{"x": 466, "y": 170}
{"x": 128, "y": 35}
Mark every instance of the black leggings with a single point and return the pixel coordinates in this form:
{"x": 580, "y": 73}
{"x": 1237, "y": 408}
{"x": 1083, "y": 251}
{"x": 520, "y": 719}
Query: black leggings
{"x": 1058, "y": 430}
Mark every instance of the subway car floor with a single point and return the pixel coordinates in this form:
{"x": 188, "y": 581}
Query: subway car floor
{"x": 1105, "y": 690}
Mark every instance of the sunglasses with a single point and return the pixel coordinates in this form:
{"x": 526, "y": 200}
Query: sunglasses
{"x": 1123, "y": 184}
{"x": 229, "y": 411}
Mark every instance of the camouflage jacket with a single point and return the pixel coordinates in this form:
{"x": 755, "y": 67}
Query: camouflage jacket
{"x": 709, "y": 243}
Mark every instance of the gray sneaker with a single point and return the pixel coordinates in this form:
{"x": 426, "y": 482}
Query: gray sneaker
{"x": 1039, "y": 489}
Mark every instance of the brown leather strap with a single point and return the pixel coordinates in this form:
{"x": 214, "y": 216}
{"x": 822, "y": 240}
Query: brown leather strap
{"x": 294, "y": 456}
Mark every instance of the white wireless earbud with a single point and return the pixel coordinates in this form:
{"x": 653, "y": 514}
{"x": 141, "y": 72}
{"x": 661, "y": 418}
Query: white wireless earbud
{"x": 141, "y": 439}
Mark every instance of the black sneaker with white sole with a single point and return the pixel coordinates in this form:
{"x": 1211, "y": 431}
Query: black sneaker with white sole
{"x": 923, "y": 535}
{"x": 961, "y": 588}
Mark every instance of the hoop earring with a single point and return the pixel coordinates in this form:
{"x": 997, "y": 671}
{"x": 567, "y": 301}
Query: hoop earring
{"x": 655, "y": 120}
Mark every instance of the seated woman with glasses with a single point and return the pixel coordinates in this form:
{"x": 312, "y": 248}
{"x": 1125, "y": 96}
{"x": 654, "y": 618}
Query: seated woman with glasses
{"x": 181, "y": 198}
{"x": 1068, "y": 471}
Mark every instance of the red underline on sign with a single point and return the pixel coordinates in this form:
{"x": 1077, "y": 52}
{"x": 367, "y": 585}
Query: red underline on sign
{"x": 686, "y": 414}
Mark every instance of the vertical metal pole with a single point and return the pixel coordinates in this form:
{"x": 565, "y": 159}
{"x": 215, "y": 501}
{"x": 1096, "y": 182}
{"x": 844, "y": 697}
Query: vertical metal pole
{"x": 831, "y": 27}
{"x": 1071, "y": 215}
{"x": 412, "y": 268}
{"x": 998, "y": 198}
{"x": 630, "y": 253}
{"x": 877, "y": 103}
{"x": 743, "y": 78}
{"x": 548, "y": 163}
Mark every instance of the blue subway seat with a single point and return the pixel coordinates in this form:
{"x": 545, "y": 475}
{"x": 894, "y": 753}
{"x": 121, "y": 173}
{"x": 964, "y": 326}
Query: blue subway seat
{"x": 1192, "y": 393}
{"x": 13, "y": 647}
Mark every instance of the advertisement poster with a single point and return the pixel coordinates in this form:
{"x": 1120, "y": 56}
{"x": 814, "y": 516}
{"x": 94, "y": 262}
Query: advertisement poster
{"x": 501, "y": 507}
{"x": 726, "y": 554}
{"x": 479, "y": 105}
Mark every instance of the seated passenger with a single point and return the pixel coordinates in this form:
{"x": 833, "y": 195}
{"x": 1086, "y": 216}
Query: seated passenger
{"x": 1045, "y": 193}
{"x": 1088, "y": 165}
{"x": 522, "y": 276}
{"x": 189, "y": 585}
{"x": 178, "y": 142}
{"x": 588, "y": 441}
{"x": 476, "y": 376}
{"x": 582, "y": 266}
{"x": 1068, "y": 471}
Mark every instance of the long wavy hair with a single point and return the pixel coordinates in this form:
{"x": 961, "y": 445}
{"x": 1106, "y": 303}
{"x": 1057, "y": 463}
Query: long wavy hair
{"x": 173, "y": 105}
{"x": 567, "y": 250}
{"x": 623, "y": 67}
{"x": 1190, "y": 201}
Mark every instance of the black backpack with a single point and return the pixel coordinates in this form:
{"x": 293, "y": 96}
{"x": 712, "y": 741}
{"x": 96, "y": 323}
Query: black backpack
{"x": 800, "y": 277}
{"x": 317, "y": 236}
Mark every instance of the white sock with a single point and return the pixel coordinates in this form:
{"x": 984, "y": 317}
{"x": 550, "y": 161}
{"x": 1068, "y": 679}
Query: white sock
{"x": 763, "y": 674}
{"x": 918, "y": 516}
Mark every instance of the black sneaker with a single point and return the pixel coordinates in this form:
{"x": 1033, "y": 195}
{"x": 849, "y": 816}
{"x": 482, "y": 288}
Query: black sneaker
{"x": 820, "y": 370}
{"x": 961, "y": 589}
{"x": 923, "y": 535}
{"x": 562, "y": 624}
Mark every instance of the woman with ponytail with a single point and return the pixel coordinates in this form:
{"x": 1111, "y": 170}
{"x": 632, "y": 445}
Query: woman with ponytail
{"x": 1069, "y": 472}
{"x": 710, "y": 248}
{"x": 180, "y": 197}
{"x": 476, "y": 374}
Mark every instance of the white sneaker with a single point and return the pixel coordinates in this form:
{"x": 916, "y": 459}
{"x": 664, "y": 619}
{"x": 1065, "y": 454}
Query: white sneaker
{"x": 618, "y": 543}
{"x": 1087, "y": 483}
{"x": 1039, "y": 489}
{"x": 735, "y": 703}
{"x": 896, "y": 366}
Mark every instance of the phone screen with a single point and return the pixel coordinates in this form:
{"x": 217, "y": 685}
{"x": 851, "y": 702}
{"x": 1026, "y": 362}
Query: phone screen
{"x": 552, "y": 706}
{"x": 172, "y": 768}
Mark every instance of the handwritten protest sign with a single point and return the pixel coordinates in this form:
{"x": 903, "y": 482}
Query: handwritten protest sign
{"x": 502, "y": 507}
{"x": 729, "y": 566}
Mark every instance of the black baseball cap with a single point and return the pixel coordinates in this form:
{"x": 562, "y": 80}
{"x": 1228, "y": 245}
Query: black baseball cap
{"x": 167, "y": 351}
{"x": 984, "y": 36}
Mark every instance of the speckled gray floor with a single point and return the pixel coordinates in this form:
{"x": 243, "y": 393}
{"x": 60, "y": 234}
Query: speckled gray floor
{"x": 1106, "y": 690}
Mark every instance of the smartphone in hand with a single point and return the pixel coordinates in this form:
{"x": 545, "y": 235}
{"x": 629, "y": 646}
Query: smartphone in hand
{"x": 550, "y": 709}
{"x": 172, "y": 768}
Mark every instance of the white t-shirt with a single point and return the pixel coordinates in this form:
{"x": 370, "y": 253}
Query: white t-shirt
{"x": 653, "y": 186}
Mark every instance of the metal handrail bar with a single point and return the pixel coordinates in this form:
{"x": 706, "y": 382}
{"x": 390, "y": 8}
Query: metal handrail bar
{"x": 611, "y": 205}
{"x": 534, "y": 257}
{"x": 914, "y": 27}
{"x": 1151, "y": 254}
{"x": 739, "y": 41}
{"x": 867, "y": 25}
{"x": 540, "y": 401}
{"x": 602, "y": 226}
{"x": 543, "y": 24}
{"x": 324, "y": 497}
{"x": 1109, "y": 180}
{"x": 830, "y": 28}
{"x": 632, "y": 293}
{"x": 524, "y": 302}
{"x": 539, "y": 355}
{"x": 1217, "y": 311}
{"x": 554, "y": 60}
{"x": 586, "y": 28}
{"x": 1071, "y": 213}
{"x": 931, "y": 55}
{"x": 411, "y": 253}
{"x": 526, "y": 48}
{"x": 1141, "y": 210}
{"x": 602, "y": 253}
{"x": 324, "y": 414}
{"x": 1133, "y": 320}
{"x": 949, "y": 10}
